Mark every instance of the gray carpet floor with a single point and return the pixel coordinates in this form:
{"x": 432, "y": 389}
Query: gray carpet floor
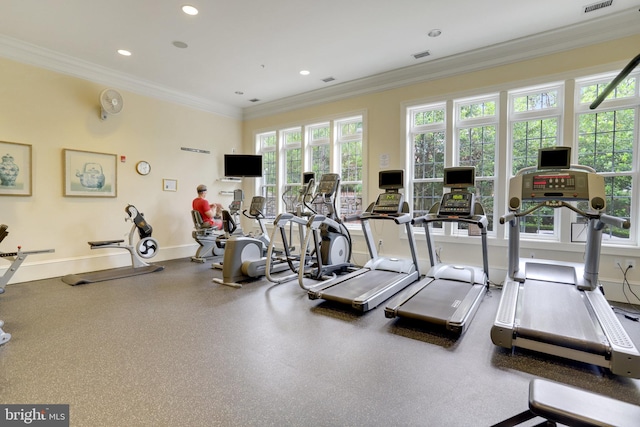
{"x": 174, "y": 349}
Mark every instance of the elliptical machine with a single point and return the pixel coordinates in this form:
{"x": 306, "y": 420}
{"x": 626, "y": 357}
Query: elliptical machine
{"x": 331, "y": 250}
{"x": 298, "y": 213}
{"x": 244, "y": 255}
{"x": 331, "y": 238}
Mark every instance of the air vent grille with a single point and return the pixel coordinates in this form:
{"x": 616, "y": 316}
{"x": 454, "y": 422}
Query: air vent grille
{"x": 328, "y": 79}
{"x": 421, "y": 54}
{"x": 254, "y": 100}
{"x": 597, "y": 6}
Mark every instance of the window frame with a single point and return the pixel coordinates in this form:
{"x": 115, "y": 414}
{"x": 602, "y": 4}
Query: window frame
{"x": 514, "y": 117}
{"x": 608, "y": 105}
{"x": 307, "y": 144}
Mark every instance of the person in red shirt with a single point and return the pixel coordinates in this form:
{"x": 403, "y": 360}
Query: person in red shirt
{"x": 211, "y": 213}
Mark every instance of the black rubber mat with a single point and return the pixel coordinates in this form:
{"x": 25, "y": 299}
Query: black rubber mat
{"x": 102, "y": 275}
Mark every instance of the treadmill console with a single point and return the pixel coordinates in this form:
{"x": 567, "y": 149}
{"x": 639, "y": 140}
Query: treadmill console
{"x": 457, "y": 204}
{"x": 568, "y": 185}
{"x": 389, "y": 203}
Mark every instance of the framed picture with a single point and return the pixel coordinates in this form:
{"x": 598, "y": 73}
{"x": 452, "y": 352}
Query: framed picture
{"x": 89, "y": 174}
{"x": 170, "y": 185}
{"x": 15, "y": 169}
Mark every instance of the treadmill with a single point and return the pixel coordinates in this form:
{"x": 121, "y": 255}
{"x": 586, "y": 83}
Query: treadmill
{"x": 449, "y": 294}
{"x": 381, "y": 277}
{"x": 554, "y": 307}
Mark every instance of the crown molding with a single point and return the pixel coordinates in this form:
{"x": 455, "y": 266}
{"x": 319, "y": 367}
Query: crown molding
{"x": 30, "y": 54}
{"x": 610, "y": 27}
{"x": 622, "y": 24}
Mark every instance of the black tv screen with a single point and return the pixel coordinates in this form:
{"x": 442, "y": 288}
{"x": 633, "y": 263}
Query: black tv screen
{"x": 242, "y": 165}
{"x": 308, "y": 176}
{"x": 460, "y": 177}
{"x": 391, "y": 179}
{"x": 554, "y": 158}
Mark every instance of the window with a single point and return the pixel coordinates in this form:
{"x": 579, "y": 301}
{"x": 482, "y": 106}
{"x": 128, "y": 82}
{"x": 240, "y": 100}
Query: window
{"x": 605, "y": 141}
{"x": 427, "y": 136}
{"x": 267, "y": 147}
{"x": 535, "y": 115}
{"x": 349, "y": 144}
{"x": 466, "y": 132}
{"x": 292, "y": 146}
{"x": 320, "y": 149}
{"x": 476, "y": 143}
{"x": 333, "y": 146}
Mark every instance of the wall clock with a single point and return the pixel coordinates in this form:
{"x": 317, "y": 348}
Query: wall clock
{"x": 143, "y": 167}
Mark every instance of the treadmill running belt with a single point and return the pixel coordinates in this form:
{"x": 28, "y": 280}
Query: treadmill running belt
{"x": 351, "y": 289}
{"x": 437, "y": 302}
{"x": 557, "y": 313}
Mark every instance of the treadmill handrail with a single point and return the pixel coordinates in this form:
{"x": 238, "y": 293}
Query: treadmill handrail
{"x": 479, "y": 220}
{"x": 553, "y": 204}
{"x": 615, "y": 221}
{"x": 402, "y": 218}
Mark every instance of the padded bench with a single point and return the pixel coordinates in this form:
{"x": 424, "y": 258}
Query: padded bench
{"x": 563, "y": 404}
{"x": 105, "y": 242}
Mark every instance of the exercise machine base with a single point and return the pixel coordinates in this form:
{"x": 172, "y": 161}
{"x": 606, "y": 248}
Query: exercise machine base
{"x": 103, "y": 275}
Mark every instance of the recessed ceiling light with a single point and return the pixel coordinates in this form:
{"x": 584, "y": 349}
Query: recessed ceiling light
{"x": 305, "y": 72}
{"x": 435, "y": 33}
{"x": 180, "y": 45}
{"x": 124, "y": 52}
{"x": 189, "y": 10}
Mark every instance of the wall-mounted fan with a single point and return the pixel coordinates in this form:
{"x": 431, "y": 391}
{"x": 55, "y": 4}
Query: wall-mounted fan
{"x": 110, "y": 103}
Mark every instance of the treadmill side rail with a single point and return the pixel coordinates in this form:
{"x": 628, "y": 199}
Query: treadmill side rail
{"x": 377, "y": 296}
{"x": 467, "y": 309}
{"x": 625, "y": 358}
{"x": 502, "y": 330}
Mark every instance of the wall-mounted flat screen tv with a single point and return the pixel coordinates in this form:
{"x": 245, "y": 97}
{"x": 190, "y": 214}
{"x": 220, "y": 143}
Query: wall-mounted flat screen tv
{"x": 459, "y": 177}
{"x": 558, "y": 157}
{"x": 391, "y": 179}
{"x": 242, "y": 165}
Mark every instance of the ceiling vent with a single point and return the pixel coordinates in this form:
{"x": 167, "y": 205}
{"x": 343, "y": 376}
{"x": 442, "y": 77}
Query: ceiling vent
{"x": 597, "y": 6}
{"x": 328, "y": 79}
{"x": 421, "y": 54}
{"x": 254, "y": 100}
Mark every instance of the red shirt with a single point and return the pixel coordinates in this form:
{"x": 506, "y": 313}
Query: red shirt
{"x": 202, "y": 205}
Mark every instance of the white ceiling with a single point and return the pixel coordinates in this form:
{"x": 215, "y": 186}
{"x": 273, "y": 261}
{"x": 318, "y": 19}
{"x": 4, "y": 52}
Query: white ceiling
{"x": 258, "y": 47}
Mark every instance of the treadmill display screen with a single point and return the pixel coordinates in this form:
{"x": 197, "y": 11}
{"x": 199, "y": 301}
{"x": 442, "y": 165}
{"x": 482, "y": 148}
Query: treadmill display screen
{"x": 389, "y": 203}
{"x": 456, "y": 204}
{"x": 553, "y": 182}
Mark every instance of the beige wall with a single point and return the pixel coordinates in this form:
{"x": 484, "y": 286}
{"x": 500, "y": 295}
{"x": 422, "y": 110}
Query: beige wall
{"x": 52, "y": 112}
{"x": 384, "y": 133}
